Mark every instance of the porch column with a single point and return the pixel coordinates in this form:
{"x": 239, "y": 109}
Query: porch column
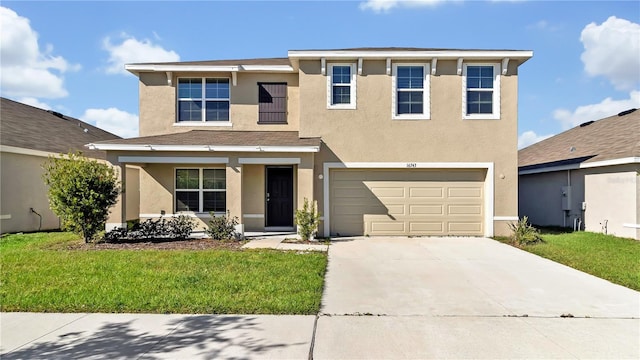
{"x": 118, "y": 214}
{"x": 305, "y": 180}
{"x": 234, "y": 188}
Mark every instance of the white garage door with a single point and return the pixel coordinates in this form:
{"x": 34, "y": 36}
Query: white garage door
{"x": 407, "y": 202}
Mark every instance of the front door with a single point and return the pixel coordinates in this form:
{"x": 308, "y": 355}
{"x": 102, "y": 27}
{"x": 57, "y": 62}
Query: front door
{"x": 279, "y": 197}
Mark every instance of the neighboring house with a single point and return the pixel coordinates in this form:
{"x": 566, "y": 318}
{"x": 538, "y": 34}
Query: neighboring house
{"x": 586, "y": 177}
{"x": 388, "y": 141}
{"x": 28, "y": 136}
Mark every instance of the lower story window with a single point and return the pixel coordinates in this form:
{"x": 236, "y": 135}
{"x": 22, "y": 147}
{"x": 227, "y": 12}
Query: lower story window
{"x": 201, "y": 190}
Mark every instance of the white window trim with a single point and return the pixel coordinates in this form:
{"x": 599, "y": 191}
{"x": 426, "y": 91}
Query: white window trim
{"x": 204, "y": 121}
{"x": 200, "y": 190}
{"x": 426, "y": 94}
{"x": 496, "y": 93}
{"x": 352, "y": 103}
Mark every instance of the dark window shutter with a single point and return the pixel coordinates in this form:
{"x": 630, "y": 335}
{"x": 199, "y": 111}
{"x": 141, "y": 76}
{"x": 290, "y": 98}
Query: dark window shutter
{"x": 272, "y": 103}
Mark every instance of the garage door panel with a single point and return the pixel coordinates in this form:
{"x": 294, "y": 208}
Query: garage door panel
{"x": 464, "y": 209}
{"x": 464, "y": 192}
{"x": 435, "y": 209}
{"x": 426, "y": 192}
{"x": 387, "y": 191}
{"x": 407, "y": 202}
{"x": 421, "y": 227}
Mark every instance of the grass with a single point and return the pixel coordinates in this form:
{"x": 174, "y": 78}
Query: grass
{"x": 36, "y": 277}
{"x": 605, "y": 256}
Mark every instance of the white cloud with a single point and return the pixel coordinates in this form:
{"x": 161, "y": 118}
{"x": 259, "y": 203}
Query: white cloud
{"x": 132, "y": 50}
{"x": 379, "y": 6}
{"x": 529, "y": 138}
{"x": 26, "y": 70}
{"x": 35, "y": 102}
{"x": 612, "y": 49}
{"x": 116, "y": 121}
{"x": 543, "y": 25}
{"x": 605, "y": 108}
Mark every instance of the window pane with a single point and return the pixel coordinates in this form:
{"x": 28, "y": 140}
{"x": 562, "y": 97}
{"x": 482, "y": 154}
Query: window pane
{"x": 341, "y": 75}
{"x": 187, "y": 200}
{"x": 190, "y": 88}
{"x": 187, "y": 179}
{"x": 217, "y": 88}
{"x": 473, "y": 71}
{"x": 217, "y": 111}
{"x": 214, "y": 179}
{"x": 479, "y": 77}
{"x": 410, "y": 102}
{"x": 479, "y": 102}
{"x": 410, "y": 77}
{"x": 214, "y": 201}
{"x": 189, "y": 110}
{"x": 341, "y": 95}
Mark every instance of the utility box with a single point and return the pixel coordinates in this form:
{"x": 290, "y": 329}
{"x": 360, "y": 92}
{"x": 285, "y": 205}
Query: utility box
{"x": 566, "y": 198}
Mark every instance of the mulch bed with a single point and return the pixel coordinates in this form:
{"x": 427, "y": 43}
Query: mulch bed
{"x": 192, "y": 244}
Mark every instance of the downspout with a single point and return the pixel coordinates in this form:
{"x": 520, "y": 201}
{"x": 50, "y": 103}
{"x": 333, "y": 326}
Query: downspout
{"x": 567, "y": 212}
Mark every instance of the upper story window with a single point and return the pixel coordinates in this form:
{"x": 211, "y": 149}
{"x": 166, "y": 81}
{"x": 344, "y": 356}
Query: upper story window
{"x": 272, "y": 103}
{"x": 201, "y": 190}
{"x": 481, "y": 91}
{"x": 203, "y": 99}
{"x": 411, "y": 91}
{"x": 341, "y": 86}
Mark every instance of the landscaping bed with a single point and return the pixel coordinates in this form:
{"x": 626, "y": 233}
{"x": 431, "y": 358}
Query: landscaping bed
{"x": 191, "y": 244}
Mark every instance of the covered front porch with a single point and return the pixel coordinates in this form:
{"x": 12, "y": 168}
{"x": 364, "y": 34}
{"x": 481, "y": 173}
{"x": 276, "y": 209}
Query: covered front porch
{"x": 259, "y": 177}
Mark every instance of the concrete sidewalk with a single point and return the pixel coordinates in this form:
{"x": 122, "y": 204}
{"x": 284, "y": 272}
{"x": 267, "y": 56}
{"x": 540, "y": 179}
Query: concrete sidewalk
{"x": 276, "y": 242}
{"x": 153, "y": 336}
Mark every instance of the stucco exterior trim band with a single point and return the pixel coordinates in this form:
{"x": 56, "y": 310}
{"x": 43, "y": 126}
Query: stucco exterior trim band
{"x": 23, "y": 151}
{"x": 269, "y": 161}
{"x": 488, "y": 183}
{"x": 5, "y": 217}
{"x": 253, "y": 216}
{"x": 173, "y": 160}
{"x": 634, "y": 226}
{"x": 229, "y": 148}
{"x": 506, "y": 218}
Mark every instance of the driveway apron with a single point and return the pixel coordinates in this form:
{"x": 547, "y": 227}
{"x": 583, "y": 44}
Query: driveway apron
{"x": 399, "y": 297}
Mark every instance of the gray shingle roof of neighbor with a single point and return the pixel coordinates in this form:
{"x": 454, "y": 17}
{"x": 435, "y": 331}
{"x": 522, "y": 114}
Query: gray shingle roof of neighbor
{"x": 614, "y": 137}
{"x": 222, "y": 138}
{"x": 29, "y": 127}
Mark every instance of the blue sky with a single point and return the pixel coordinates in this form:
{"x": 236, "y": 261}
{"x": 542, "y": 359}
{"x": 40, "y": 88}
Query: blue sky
{"x": 69, "y": 56}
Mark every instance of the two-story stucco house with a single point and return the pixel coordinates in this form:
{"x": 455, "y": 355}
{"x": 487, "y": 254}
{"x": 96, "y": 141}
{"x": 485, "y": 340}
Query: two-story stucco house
{"x": 388, "y": 141}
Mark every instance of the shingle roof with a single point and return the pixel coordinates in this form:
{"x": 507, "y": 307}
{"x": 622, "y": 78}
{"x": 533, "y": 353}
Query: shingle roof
{"x": 613, "y": 137}
{"x": 237, "y": 62}
{"x": 222, "y": 138}
{"x": 28, "y": 127}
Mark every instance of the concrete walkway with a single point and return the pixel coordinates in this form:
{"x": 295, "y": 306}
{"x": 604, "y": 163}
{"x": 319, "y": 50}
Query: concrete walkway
{"x": 276, "y": 242}
{"x": 384, "y": 298}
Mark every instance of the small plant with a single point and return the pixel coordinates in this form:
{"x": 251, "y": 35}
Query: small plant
{"x": 152, "y": 229}
{"x": 307, "y": 220}
{"x": 180, "y": 227}
{"x": 222, "y": 227}
{"x": 523, "y": 233}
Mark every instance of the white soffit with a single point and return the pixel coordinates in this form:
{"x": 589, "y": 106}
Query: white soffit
{"x": 415, "y": 54}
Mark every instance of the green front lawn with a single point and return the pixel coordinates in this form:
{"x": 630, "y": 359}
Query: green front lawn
{"x": 605, "y": 256}
{"x": 38, "y": 274}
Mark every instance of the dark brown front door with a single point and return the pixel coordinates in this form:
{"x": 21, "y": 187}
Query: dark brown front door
{"x": 279, "y": 196}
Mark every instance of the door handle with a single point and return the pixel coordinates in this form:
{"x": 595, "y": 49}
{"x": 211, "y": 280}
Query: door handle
{"x": 267, "y": 196}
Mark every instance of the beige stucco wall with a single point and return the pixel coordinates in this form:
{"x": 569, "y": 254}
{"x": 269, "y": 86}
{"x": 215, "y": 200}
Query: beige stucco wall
{"x": 611, "y": 195}
{"x": 369, "y": 134}
{"x": 158, "y": 103}
{"x": 245, "y": 185}
{"x": 23, "y": 188}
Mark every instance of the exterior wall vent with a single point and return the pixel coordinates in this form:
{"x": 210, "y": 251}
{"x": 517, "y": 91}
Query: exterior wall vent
{"x": 587, "y": 123}
{"x": 626, "y": 112}
{"x": 55, "y": 113}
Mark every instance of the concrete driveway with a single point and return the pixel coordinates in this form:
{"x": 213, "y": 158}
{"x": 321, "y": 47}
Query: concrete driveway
{"x": 398, "y": 297}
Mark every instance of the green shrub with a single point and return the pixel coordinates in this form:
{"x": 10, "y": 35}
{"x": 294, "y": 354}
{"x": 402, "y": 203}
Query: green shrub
{"x": 307, "y": 220}
{"x": 523, "y": 233}
{"x": 81, "y": 191}
{"x": 176, "y": 228}
{"x": 222, "y": 227}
